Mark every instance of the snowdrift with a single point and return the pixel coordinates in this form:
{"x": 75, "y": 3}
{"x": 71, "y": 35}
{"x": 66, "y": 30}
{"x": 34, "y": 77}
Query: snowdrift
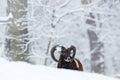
{"x": 25, "y": 71}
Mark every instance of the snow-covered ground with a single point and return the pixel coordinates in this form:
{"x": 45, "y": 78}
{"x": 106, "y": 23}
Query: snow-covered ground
{"x": 25, "y": 71}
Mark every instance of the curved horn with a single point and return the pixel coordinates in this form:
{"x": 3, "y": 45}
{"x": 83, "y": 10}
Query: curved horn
{"x": 53, "y": 50}
{"x": 74, "y": 50}
{"x": 52, "y": 53}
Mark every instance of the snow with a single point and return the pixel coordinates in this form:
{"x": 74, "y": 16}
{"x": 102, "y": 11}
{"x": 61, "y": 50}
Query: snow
{"x": 25, "y": 71}
{"x": 6, "y": 18}
{"x": 118, "y": 76}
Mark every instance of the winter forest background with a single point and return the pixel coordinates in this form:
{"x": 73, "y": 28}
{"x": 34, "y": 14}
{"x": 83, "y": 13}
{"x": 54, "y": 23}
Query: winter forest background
{"x": 29, "y": 28}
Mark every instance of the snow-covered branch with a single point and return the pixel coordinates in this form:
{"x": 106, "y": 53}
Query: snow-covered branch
{"x": 6, "y": 19}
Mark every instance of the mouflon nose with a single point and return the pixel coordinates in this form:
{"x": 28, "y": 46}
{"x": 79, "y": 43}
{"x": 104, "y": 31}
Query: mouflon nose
{"x": 68, "y": 58}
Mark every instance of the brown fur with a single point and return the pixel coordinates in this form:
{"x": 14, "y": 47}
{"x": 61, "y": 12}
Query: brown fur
{"x": 80, "y": 68}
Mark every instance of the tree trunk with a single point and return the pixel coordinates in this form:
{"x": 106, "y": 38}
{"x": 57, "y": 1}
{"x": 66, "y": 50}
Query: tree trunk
{"x": 17, "y": 30}
{"x": 97, "y": 58}
{"x": 47, "y": 52}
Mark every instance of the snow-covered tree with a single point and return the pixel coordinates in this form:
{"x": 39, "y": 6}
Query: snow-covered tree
{"x": 54, "y": 25}
{"x": 16, "y": 46}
